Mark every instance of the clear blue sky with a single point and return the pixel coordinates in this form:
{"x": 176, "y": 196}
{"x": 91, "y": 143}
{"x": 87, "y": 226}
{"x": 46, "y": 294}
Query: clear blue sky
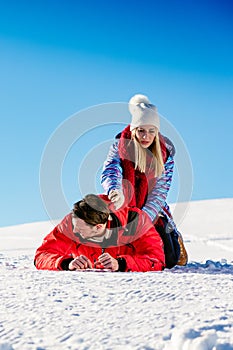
{"x": 59, "y": 57}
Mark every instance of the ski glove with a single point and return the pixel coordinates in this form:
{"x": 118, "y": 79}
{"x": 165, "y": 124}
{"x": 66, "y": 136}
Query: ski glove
{"x": 117, "y": 197}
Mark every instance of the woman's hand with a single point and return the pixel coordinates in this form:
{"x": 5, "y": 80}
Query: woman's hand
{"x": 117, "y": 197}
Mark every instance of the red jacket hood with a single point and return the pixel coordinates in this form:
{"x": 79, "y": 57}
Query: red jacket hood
{"x": 66, "y": 226}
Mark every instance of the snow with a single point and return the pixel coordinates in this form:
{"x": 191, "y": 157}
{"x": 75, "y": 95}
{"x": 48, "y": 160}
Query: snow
{"x": 185, "y": 308}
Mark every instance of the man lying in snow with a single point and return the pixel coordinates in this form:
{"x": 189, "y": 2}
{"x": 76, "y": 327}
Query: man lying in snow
{"x": 95, "y": 235}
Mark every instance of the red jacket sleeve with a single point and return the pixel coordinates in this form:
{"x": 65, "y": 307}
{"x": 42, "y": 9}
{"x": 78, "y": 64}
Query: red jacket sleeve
{"x": 56, "y": 247}
{"x": 148, "y": 249}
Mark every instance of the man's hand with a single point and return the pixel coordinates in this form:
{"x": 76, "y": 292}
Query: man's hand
{"x": 108, "y": 262}
{"x": 117, "y": 197}
{"x": 80, "y": 263}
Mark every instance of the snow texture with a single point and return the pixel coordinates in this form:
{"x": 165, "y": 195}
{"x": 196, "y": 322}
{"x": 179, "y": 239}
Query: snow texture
{"x": 185, "y": 308}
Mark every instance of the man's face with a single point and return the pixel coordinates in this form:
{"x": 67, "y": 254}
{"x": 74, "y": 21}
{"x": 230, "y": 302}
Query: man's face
{"x": 86, "y": 231}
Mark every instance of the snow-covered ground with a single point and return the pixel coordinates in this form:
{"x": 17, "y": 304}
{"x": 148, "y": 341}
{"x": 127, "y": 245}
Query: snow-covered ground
{"x": 185, "y": 308}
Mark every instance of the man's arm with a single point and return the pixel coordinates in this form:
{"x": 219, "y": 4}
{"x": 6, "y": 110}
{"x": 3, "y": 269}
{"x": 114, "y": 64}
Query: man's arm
{"x": 55, "y": 252}
{"x": 147, "y": 248}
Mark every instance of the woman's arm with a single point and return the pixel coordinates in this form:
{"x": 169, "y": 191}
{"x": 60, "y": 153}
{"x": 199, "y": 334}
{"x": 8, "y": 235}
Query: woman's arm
{"x": 157, "y": 197}
{"x": 111, "y": 177}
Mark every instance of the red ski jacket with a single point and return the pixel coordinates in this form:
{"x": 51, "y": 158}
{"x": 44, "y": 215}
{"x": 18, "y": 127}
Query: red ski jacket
{"x": 137, "y": 242}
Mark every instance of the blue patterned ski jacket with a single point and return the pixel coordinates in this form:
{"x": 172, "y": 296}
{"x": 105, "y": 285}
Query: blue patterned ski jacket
{"x": 112, "y": 175}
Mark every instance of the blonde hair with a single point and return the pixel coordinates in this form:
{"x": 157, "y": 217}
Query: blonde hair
{"x": 157, "y": 164}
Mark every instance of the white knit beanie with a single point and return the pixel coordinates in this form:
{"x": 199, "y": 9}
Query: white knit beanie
{"x": 143, "y": 112}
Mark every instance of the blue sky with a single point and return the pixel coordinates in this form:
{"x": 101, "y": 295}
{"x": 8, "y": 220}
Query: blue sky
{"x": 61, "y": 57}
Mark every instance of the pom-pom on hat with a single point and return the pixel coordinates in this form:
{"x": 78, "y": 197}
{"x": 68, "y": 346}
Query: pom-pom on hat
{"x": 143, "y": 112}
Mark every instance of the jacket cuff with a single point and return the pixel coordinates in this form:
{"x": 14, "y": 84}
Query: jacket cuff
{"x": 65, "y": 264}
{"x": 122, "y": 264}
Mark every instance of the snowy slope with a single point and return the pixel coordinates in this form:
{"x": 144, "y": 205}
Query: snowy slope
{"x": 186, "y": 308}
{"x": 208, "y": 229}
